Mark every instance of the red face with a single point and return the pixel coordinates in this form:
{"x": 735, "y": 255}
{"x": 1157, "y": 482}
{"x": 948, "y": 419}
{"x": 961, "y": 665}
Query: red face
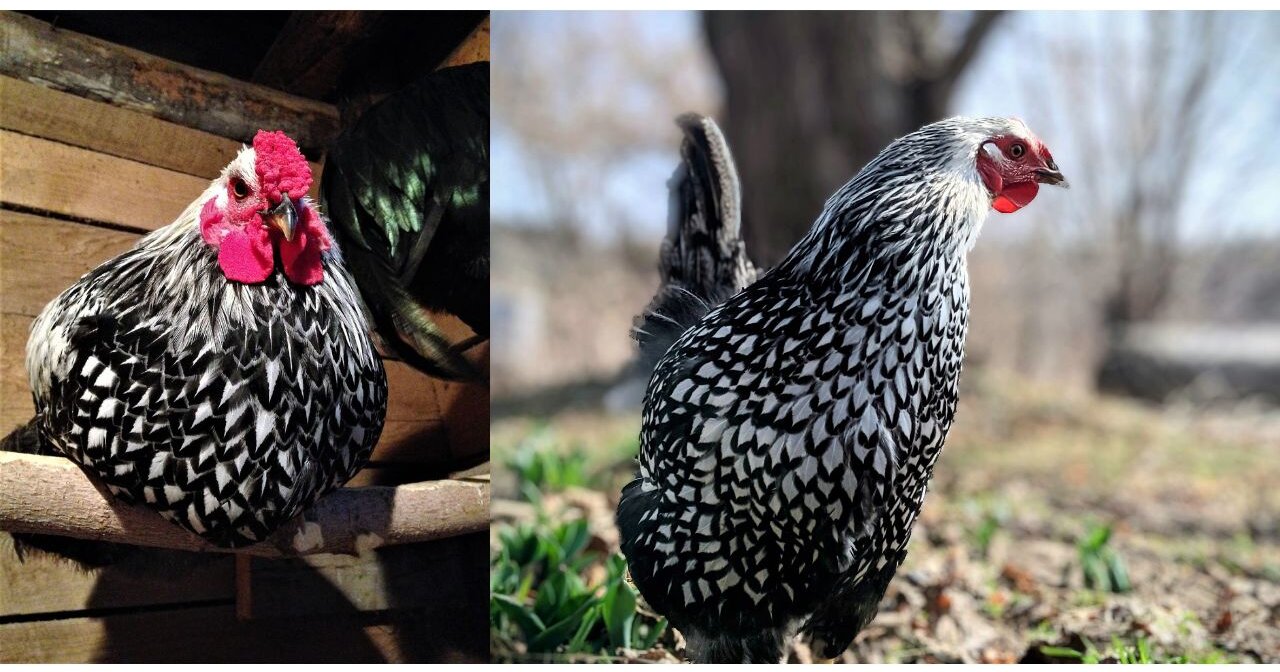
{"x": 253, "y": 223}
{"x": 1013, "y": 169}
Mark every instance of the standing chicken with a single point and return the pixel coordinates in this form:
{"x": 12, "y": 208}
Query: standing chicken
{"x": 407, "y": 191}
{"x": 789, "y": 433}
{"x": 220, "y": 371}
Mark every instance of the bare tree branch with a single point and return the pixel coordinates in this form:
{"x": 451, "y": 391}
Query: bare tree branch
{"x": 975, "y": 35}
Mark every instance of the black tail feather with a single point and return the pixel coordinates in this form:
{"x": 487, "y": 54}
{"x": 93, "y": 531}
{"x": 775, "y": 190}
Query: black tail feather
{"x": 703, "y": 260}
{"x": 767, "y": 646}
{"x": 26, "y": 439}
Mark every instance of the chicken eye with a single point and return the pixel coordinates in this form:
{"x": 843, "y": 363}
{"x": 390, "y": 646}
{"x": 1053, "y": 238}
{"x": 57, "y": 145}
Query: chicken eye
{"x": 1017, "y": 150}
{"x": 239, "y": 188}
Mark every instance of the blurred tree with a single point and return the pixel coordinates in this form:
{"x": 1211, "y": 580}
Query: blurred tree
{"x": 586, "y": 95}
{"x": 1194, "y": 72}
{"x": 812, "y": 96}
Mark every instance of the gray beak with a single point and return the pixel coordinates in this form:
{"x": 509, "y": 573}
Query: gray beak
{"x": 1051, "y": 175}
{"x": 284, "y": 217}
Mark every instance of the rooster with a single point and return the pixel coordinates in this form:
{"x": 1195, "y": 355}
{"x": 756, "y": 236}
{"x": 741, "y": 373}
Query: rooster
{"x": 407, "y": 190}
{"x": 219, "y": 372}
{"x": 790, "y": 431}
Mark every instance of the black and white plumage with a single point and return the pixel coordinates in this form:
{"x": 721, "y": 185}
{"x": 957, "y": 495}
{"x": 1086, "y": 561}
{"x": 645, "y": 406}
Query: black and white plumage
{"x": 789, "y": 433}
{"x": 228, "y": 407}
{"x": 703, "y": 260}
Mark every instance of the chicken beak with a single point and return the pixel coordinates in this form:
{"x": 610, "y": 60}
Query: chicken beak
{"x": 1051, "y": 175}
{"x": 284, "y": 217}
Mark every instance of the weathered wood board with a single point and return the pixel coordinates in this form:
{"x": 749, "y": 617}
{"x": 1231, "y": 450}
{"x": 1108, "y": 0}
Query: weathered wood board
{"x": 33, "y": 51}
{"x": 44, "y": 585}
{"x": 42, "y": 112}
{"x": 58, "y": 178}
{"x": 200, "y": 634}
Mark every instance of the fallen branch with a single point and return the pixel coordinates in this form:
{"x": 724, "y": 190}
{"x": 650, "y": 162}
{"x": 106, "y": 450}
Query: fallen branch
{"x": 51, "y": 495}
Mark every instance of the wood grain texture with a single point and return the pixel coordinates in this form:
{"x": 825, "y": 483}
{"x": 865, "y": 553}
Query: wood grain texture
{"x": 43, "y": 584}
{"x": 51, "y": 495}
{"x": 311, "y": 52}
{"x": 399, "y": 577}
{"x": 58, "y": 178}
{"x": 16, "y": 407}
{"x": 41, "y": 256}
{"x": 33, "y": 51}
{"x": 47, "y": 113}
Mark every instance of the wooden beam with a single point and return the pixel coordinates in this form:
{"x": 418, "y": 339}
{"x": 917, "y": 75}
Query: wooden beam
{"x": 51, "y": 495}
{"x": 47, "y": 113}
{"x": 35, "y": 52}
{"x": 474, "y": 48}
{"x": 398, "y": 578}
{"x": 311, "y": 52}
{"x": 41, "y": 256}
{"x": 75, "y": 182}
{"x": 85, "y": 184}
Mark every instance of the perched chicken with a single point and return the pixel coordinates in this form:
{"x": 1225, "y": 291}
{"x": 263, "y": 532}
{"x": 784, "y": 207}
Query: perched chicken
{"x": 407, "y": 191}
{"x": 789, "y": 433}
{"x": 219, "y": 372}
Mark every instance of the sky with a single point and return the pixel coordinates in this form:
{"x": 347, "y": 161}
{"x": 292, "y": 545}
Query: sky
{"x": 1248, "y": 102}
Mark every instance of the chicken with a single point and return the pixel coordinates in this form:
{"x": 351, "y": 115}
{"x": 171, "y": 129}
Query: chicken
{"x": 407, "y": 190}
{"x": 219, "y": 372}
{"x": 789, "y": 433}
{"x": 703, "y": 260}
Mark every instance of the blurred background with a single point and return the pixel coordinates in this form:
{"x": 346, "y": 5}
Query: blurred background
{"x": 1120, "y": 412}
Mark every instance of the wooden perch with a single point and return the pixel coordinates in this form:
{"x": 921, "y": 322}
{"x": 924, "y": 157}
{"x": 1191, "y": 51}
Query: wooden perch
{"x": 51, "y": 495}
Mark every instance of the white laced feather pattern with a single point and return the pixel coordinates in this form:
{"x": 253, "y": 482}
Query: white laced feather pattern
{"x": 788, "y": 436}
{"x": 227, "y": 407}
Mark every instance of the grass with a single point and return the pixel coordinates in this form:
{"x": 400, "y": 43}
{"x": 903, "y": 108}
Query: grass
{"x": 1104, "y": 507}
{"x": 1104, "y": 568}
{"x": 539, "y": 468}
{"x": 552, "y": 596}
{"x": 541, "y": 604}
{"x": 1137, "y": 652}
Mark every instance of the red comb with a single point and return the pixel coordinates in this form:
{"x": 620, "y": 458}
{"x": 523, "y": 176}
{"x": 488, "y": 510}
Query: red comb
{"x": 281, "y": 167}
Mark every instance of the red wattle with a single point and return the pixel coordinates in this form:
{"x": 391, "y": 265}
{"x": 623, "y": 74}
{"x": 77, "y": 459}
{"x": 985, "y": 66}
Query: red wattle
{"x": 301, "y": 256}
{"x": 1015, "y": 196}
{"x": 245, "y": 254}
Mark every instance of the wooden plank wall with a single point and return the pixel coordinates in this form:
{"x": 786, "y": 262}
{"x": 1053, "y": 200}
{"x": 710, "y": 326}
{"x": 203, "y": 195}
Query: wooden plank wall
{"x": 81, "y": 180}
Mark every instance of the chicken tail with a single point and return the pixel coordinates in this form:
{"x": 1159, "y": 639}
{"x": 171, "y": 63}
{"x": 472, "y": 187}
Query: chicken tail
{"x": 703, "y": 260}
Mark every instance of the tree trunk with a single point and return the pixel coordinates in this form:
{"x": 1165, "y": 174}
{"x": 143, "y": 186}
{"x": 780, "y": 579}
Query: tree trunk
{"x": 812, "y": 96}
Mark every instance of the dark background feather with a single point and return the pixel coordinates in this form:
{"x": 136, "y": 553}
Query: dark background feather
{"x": 407, "y": 191}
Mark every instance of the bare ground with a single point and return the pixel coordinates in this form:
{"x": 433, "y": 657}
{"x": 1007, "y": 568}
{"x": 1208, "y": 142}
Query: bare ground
{"x": 994, "y": 572}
